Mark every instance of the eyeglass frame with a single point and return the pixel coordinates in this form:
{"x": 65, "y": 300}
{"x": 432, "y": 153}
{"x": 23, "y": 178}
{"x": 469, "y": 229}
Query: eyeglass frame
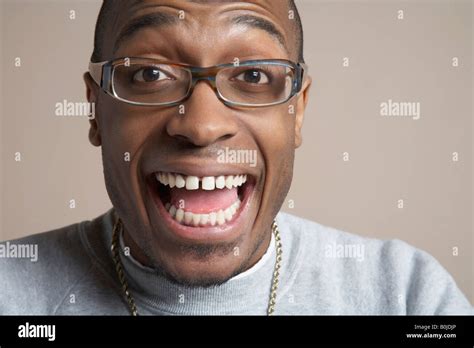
{"x": 102, "y": 74}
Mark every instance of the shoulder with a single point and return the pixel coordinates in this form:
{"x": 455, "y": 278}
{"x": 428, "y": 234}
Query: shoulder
{"x": 39, "y": 271}
{"x": 400, "y": 277}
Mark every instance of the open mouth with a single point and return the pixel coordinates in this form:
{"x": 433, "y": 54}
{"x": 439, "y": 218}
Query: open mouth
{"x": 202, "y": 202}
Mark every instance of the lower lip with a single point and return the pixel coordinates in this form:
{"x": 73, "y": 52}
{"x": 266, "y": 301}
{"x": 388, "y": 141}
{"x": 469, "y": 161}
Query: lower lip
{"x": 219, "y": 233}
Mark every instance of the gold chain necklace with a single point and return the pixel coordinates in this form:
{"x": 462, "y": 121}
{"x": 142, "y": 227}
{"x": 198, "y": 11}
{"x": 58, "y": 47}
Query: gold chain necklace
{"x": 131, "y": 302}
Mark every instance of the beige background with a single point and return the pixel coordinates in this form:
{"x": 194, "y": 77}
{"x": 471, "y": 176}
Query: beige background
{"x": 390, "y": 158}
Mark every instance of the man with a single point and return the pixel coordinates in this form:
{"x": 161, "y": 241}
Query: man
{"x": 186, "y": 92}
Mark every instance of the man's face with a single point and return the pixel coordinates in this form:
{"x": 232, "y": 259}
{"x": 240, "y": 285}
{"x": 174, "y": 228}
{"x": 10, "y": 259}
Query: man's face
{"x": 138, "y": 141}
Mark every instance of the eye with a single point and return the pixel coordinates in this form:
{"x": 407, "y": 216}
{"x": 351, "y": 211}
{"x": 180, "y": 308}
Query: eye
{"x": 150, "y": 74}
{"x": 253, "y": 76}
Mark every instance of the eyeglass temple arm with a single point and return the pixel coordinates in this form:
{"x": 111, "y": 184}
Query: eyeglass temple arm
{"x": 95, "y": 70}
{"x": 304, "y": 74}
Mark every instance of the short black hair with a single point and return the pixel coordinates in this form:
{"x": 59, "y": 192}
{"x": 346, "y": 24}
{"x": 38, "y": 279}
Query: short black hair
{"x": 297, "y": 30}
{"x": 109, "y": 5}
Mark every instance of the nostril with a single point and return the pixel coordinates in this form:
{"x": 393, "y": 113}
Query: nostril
{"x": 182, "y": 138}
{"x": 226, "y": 137}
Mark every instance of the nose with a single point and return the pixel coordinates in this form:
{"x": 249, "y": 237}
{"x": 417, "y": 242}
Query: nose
{"x": 204, "y": 120}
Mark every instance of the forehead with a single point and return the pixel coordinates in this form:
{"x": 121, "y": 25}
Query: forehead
{"x": 200, "y": 19}
{"x": 278, "y": 9}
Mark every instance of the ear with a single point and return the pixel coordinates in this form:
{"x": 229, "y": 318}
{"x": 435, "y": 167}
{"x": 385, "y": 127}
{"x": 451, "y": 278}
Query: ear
{"x": 301, "y": 102}
{"x": 92, "y": 93}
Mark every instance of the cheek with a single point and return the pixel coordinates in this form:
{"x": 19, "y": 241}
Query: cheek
{"x": 125, "y": 131}
{"x": 274, "y": 131}
{"x": 122, "y": 129}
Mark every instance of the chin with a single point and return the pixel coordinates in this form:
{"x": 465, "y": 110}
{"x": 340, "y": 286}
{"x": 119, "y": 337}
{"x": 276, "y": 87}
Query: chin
{"x": 199, "y": 274}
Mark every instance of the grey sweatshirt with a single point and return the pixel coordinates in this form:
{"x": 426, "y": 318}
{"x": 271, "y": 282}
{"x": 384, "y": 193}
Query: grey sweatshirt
{"x": 324, "y": 271}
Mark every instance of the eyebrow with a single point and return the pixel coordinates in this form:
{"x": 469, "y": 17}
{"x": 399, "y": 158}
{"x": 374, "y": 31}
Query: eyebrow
{"x": 155, "y": 19}
{"x": 262, "y": 24}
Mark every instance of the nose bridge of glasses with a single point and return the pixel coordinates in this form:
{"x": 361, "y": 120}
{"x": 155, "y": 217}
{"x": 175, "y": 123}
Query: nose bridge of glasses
{"x": 207, "y": 74}
{"x": 204, "y": 74}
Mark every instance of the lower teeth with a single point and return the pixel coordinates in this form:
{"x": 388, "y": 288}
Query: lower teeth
{"x": 215, "y": 218}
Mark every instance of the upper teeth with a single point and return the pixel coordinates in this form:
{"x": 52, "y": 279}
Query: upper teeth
{"x": 207, "y": 183}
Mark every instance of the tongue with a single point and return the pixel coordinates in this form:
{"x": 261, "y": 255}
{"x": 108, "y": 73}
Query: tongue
{"x": 201, "y": 201}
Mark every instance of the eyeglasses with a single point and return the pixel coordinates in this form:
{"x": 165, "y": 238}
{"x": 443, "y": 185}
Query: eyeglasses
{"x": 153, "y": 82}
